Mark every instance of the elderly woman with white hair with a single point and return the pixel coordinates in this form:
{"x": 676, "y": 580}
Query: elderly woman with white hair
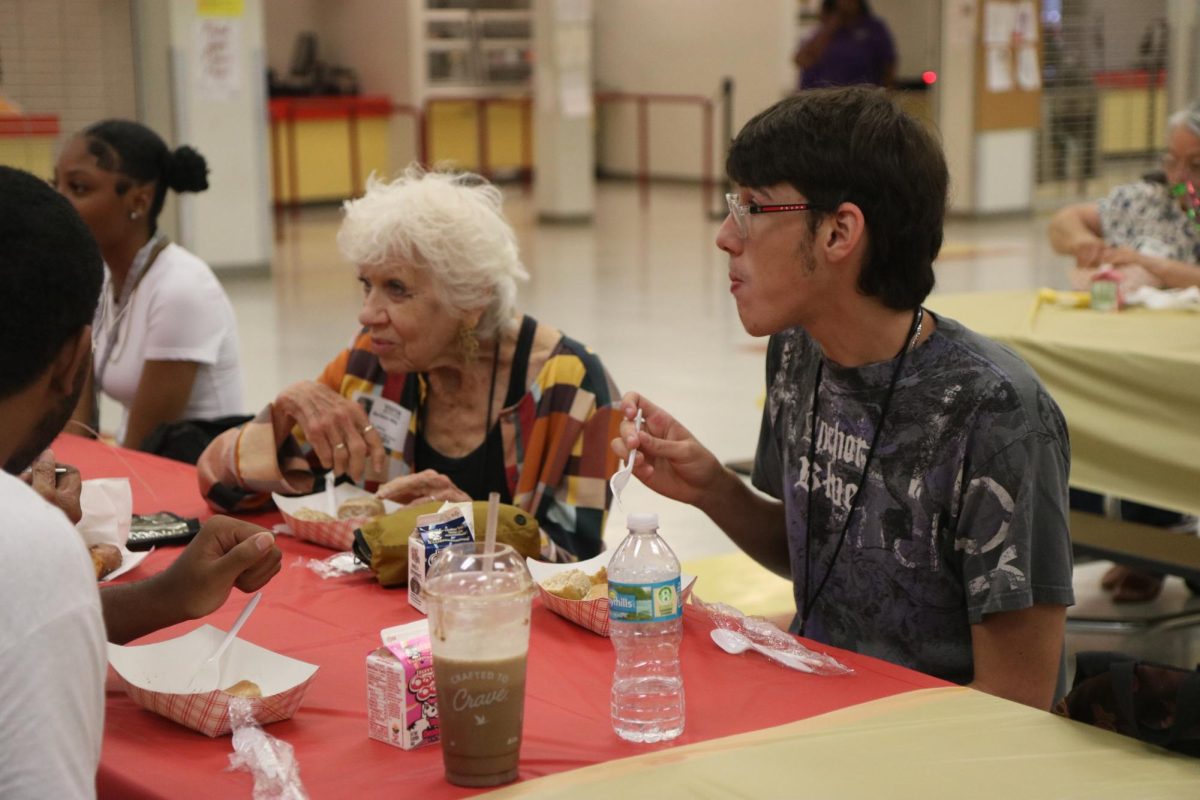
{"x": 1142, "y": 229}
{"x": 447, "y": 392}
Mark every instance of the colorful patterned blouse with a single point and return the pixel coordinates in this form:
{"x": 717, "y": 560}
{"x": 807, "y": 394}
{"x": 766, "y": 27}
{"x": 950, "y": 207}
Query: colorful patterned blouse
{"x": 556, "y": 439}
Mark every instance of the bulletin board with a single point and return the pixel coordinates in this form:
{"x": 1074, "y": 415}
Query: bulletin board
{"x": 1008, "y": 65}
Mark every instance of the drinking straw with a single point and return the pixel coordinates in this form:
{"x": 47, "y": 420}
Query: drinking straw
{"x": 493, "y": 516}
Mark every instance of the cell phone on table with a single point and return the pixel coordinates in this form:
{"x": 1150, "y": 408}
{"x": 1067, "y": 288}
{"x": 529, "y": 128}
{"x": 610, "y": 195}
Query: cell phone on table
{"x": 163, "y": 528}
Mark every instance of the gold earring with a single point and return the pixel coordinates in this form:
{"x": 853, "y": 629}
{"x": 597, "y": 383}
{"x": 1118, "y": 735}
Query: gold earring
{"x": 468, "y": 343}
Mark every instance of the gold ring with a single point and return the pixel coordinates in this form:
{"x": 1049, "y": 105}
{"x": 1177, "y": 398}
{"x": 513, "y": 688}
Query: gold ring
{"x": 368, "y": 429}
{"x": 340, "y": 446}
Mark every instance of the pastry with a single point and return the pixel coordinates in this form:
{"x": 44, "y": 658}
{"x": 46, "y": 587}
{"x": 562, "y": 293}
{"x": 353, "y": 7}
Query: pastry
{"x": 364, "y": 506}
{"x": 312, "y": 515}
{"x": 105, "y": 558}
{"x": 244, "y": 689}
{"x": 570, "y": 584}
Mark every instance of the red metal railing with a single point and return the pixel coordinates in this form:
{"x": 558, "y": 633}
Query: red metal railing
{"x": 285, "y": 113}
{"x": 642, "y": 100}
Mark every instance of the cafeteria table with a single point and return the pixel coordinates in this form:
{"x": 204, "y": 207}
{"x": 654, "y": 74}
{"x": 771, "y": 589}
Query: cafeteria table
{"x": 1128, "y": 384}
{"x": 753, "y": 728}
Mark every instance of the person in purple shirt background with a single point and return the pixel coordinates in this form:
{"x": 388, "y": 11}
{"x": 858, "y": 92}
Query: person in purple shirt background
{"x": 852, "y": 46}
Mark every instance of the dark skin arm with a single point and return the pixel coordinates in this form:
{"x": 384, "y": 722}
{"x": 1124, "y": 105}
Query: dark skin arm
{"x": 162, "y": 395}
{"x": 225, "y": 553}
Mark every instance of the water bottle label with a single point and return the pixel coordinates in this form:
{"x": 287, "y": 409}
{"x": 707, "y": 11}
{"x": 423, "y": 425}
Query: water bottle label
{"x": 644, "y": 602}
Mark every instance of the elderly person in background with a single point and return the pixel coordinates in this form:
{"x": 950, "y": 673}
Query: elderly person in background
{"x": 1143, "y": 229}
{"x": 851, "y": 46}
{"x": 166, "y": 345}
{"x": 447, "y": 392}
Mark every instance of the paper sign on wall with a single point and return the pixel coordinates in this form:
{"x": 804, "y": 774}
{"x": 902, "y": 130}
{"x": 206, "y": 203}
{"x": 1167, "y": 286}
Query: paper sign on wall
{"x": 217, "y": 57}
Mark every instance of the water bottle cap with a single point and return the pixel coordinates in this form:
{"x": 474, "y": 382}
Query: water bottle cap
{"x": 642, "y": 522}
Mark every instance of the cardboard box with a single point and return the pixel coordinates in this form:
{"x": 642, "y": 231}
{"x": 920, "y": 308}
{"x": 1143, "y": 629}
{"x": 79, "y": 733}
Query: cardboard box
{"x": 422, "y": 547}
{"x": 401, "y": 696}
{"x": 337, "y": 534}
{"x": 156, "y": 677}
{"x": 591, "y": 614}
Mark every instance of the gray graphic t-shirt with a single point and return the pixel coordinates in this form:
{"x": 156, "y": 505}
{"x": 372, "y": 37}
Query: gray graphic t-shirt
{"x": 964, "y": 511}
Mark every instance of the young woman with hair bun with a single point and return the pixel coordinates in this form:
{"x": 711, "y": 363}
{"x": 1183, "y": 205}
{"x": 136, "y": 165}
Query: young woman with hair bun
{"x": 166, "y": 345}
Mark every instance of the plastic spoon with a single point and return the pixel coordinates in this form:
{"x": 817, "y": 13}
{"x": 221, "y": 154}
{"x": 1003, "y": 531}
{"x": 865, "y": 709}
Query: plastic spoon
{"x": 330, "y": 495}
{"x": 208, "y": 676}
{"x": 734, "y": 643}
{"x": 621, "y": 477}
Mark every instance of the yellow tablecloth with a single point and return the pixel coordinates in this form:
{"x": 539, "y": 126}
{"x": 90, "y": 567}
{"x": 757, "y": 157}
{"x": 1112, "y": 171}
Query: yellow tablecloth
{"x": 1128, "y": 384}
{"x": 950, "y": 742}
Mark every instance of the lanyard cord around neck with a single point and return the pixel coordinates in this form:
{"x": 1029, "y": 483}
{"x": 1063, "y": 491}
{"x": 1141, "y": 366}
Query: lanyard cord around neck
{"x": 142, "y": 262}
{"x": 810, "y": 602}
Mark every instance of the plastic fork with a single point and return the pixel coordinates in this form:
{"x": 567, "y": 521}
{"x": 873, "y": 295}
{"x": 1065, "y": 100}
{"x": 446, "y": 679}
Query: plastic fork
{"x": 208, "y": 676}
{"x": 621, "y": 477}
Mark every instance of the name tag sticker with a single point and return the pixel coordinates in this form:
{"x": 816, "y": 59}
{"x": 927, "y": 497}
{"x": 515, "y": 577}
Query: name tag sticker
{"x": 389, "y": 418}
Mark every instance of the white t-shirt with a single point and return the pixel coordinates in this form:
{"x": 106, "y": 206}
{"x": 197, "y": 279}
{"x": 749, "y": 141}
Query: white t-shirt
{"x": 178, "y": 312}
{"x": 52, "y": 652}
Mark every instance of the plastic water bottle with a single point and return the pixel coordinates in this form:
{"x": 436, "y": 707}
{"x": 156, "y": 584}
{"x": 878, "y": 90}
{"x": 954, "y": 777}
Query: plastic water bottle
{"x": 646, "y": 628}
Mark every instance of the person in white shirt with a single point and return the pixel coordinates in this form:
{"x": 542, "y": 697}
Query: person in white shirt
{"x": 53, "y": 621}
{"x": 166, "y": 345}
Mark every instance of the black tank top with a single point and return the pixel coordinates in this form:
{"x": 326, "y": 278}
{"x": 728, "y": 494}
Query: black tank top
{"x": 482, "y": 470}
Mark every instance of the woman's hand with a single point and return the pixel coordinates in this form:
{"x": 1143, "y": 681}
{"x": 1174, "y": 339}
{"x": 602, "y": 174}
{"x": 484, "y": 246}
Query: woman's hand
{"x": 337, "y": 428}
{"x": 670, "y": 460}
{"x": 421, "y": 487}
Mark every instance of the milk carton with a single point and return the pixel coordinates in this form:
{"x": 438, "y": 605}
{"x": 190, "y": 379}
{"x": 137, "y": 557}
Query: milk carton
{"x": 401, "y": 696}
{"x": 434, "y": 532}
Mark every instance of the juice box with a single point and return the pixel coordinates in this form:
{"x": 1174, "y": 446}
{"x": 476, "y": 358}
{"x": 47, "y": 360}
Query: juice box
{"x": 1106, "y": 291}
{"x": 401, "y": 695}
{"x": 434, "y": 532}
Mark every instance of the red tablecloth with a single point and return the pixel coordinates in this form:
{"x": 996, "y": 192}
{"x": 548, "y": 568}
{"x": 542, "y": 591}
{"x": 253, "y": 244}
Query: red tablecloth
{"x": 335, "y": 623}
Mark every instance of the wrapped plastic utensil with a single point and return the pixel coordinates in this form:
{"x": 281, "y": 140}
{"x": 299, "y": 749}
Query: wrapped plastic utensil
{"x": 763, "y": 635}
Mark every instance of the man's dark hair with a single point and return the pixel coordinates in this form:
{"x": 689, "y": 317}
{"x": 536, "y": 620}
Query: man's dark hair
{"x": 50, "y": 276}
{"x": 855, "y": 145}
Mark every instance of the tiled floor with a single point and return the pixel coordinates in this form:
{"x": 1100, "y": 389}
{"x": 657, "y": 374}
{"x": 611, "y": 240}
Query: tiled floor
{"x": 645, "y": 287}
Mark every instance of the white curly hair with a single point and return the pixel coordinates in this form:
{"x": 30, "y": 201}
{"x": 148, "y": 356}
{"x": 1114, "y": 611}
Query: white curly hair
{"x": 449, "y": 223}
{"x": 1189, "y": 116}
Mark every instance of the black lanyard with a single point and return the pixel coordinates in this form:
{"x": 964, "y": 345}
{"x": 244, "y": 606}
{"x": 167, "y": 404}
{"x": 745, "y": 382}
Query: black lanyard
{"x": 810, "y": 602}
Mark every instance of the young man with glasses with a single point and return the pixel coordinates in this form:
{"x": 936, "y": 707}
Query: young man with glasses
{"x": 1148, "y": 230}
{"x": 915, "y": 473}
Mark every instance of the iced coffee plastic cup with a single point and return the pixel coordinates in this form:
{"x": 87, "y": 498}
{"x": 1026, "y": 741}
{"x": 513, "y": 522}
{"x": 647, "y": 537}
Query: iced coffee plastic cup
{"x": 478, "y": 606}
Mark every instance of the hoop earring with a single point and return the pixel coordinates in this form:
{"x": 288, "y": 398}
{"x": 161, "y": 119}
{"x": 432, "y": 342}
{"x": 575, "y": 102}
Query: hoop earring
{"x": 468, "y": 343}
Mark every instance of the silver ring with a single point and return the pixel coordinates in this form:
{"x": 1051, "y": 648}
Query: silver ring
{"x": 368, "y": 429}
{"x": 340, "y": 446}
